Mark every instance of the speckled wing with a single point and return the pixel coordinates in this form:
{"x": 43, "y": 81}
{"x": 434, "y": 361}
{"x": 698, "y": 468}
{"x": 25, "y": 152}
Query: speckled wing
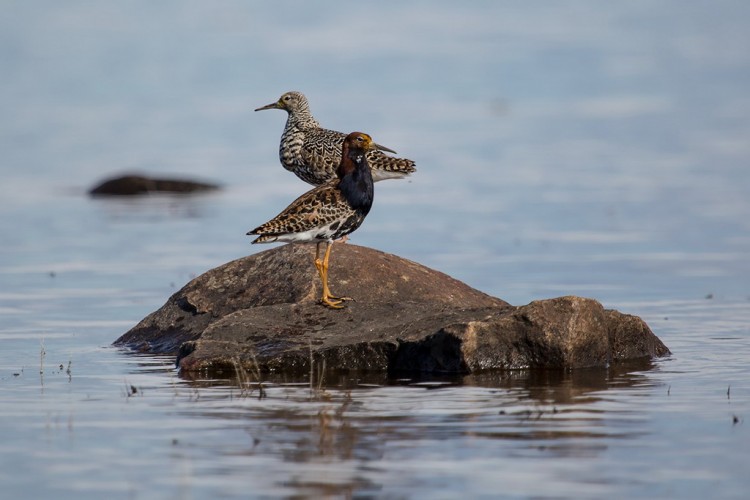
{"x": 318, "y": 215}
{"x": 321, "y": 154}
{"x": 384, "y": 167}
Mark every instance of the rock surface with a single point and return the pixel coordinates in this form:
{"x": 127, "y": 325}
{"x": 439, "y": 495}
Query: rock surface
{"x": 129, "y": 185}
{"x": 262, "y": 313}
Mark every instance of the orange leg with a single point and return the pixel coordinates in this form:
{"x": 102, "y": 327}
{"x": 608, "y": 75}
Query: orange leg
{"x": 319, "y": 266}
{"x": 327, "y": 298}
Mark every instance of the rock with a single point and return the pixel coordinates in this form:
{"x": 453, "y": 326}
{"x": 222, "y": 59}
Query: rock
{"x": 137, "y": 184}
{"x": 262, "y": 313}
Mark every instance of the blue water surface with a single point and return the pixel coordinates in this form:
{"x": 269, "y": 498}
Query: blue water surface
{"x": 587, "y": 148}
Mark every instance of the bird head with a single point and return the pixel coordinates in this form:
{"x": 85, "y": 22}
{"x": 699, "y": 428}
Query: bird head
{"x": 289, "y": 101}
{"x": 359, "y": 141}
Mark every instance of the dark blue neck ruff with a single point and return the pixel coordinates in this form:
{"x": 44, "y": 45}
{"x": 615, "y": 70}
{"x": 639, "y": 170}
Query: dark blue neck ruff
{"x": 356, "y": 180}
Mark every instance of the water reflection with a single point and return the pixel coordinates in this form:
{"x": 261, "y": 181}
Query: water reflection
{"x": 362, "y": 421}
{"x": 156, "y": 207}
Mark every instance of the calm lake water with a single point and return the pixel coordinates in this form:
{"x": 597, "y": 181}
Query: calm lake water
{"x": 563, "y": 148}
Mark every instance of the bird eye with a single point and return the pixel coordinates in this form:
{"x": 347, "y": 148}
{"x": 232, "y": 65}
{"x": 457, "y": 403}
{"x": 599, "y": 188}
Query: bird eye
{"x": 286, "y": 97}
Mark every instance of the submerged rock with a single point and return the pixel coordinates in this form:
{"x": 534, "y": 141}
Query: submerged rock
{"x": 128, "y": 185}
{"x": 262, "y": 313}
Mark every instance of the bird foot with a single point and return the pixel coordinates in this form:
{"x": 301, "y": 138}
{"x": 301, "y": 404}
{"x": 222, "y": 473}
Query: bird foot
{"x": 334, "y": 302}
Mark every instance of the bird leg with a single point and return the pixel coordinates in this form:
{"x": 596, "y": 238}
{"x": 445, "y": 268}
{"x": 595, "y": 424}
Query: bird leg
{"x": 322, "y": 266}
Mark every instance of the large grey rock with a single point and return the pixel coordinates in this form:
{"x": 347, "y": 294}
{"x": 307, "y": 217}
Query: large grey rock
{"x": 262, "y": 313}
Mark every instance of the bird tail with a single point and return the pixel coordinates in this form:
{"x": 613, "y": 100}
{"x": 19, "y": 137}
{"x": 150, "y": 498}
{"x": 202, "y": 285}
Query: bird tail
{"x": 388, "y": 167}
{"x": 262, "y": 238}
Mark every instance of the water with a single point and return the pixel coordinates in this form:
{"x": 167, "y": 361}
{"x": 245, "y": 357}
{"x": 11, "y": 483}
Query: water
{"x": 563, "y": 148}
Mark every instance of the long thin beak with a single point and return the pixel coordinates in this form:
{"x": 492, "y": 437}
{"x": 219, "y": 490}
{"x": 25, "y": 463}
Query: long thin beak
{"x": 273, "y": 105}
{"x": 377, "y": 146}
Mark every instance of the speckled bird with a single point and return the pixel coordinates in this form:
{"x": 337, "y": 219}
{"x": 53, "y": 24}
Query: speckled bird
{"x": 329, "y": 211}
{"x": 313, "y": 153}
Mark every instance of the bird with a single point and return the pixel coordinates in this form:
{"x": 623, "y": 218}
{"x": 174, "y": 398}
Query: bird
{"x": 329, "y": 211}
{"x": 313, "y": 153}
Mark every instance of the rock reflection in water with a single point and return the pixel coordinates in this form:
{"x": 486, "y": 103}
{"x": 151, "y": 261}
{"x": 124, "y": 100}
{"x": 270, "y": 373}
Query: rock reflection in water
{"x": 362, "y": 421}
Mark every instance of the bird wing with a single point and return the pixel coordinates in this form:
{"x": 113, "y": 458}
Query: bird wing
{"x": 321, "y": 154}
{"x": 321, "y": 151}
{"x": 388, "y": 167}
{"x": 317, "y": 208}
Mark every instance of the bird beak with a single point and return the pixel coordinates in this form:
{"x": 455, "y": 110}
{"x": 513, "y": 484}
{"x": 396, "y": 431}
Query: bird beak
{"x": 377, "y": 146}
{"x": 273, "y": 105}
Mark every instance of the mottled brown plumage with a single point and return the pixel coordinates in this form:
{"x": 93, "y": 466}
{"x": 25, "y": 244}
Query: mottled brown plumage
{"x": 329, "y": 211}
{"x": 318, "y": 215}
{"x": 313, "y": 153}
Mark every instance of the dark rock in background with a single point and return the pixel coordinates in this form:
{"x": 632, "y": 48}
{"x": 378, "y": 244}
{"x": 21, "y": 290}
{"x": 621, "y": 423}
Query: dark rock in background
{"x": 129, "y": 185}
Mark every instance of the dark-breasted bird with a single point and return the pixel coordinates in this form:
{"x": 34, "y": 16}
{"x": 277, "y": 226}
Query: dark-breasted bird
{"x": 313, "y": 153}
{"x": 329, "y": 211}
